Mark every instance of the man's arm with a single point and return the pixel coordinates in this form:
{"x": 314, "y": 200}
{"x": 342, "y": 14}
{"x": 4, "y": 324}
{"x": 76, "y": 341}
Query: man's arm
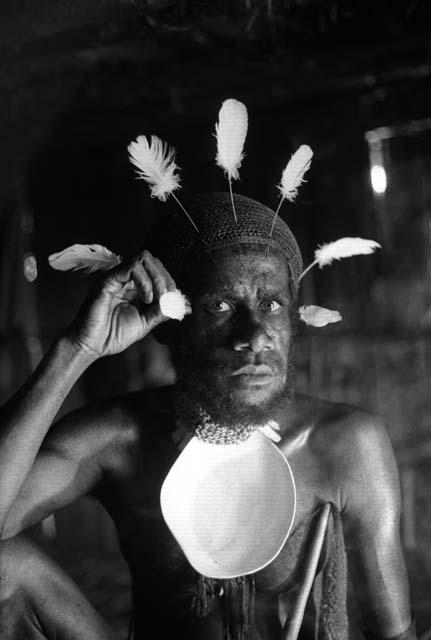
{"x": 79, "y": 450}
{"x": 371, "y": 519}
{"x": 111, "y": 319}
{"x": 26, "y": 418}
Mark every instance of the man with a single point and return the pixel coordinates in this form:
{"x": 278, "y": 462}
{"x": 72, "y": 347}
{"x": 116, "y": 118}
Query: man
{"x": 233, "y": 358}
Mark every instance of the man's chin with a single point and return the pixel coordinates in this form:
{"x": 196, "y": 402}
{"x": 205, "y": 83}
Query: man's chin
{"x": 245, "y": 402}
{"x": 255, "y": 394}
{"x": 234, "y": 400}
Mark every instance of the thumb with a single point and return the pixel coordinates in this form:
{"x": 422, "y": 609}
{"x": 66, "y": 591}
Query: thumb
{"x": 151, "y": 315}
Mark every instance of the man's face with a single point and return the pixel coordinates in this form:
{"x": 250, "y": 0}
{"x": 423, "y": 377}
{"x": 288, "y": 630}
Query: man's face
{"x": 234, "y": 351}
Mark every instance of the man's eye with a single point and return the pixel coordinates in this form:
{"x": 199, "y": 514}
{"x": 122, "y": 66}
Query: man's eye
{"x": 219, "y": 306}
{"x": 271, "y": 306}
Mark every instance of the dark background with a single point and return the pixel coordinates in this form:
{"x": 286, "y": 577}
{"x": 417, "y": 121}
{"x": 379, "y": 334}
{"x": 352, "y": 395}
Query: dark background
{"x": 79, "y": 80}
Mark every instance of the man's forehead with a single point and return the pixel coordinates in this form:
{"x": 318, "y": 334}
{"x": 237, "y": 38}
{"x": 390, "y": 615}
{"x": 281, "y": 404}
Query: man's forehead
{"x": 234, "y": 270}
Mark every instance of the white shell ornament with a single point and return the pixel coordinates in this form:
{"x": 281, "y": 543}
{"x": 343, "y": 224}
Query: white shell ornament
{"x": 175, "y": 305}
{"x": 230, "y": 507}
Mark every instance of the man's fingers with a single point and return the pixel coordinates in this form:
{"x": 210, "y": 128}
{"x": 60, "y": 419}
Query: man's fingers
{"x": 121, "y": 274}
{"x": 148, "y": 274}
{"x": 170, "y": 282}
{"x": 130, "y": 274}
{"x": 162, "y": 280}
{"x": 143, "y": 283}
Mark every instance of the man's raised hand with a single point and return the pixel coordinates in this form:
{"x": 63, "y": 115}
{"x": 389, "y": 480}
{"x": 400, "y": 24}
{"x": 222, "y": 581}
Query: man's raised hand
{"x": 124, "y": 308}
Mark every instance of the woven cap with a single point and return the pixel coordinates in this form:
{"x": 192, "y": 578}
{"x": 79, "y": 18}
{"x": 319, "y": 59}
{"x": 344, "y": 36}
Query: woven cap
{"x": 175, "y": 241}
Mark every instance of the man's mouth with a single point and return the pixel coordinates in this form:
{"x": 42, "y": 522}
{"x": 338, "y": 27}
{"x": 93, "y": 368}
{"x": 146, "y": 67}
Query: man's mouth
{"x": 253, "y": 370}
{"x": 254, "y": 374}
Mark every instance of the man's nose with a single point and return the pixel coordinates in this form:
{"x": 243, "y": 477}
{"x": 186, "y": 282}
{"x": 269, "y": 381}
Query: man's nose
{"x": 252, "y": 336}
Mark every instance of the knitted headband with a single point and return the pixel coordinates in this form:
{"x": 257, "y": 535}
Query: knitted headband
{"x": 177, "y": 242}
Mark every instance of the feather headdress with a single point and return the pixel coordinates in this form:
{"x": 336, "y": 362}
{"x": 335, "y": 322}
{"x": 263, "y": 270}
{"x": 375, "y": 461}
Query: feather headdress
{"x": 96, "y": 257}
{"x": 342, "y": 248}
{"x": 315, "y": 316}
{"x": 155, "y": 162}
{"x": 293, "y": 176}
{"x": 231, "y": 131}
{"x": 88, "y": 257}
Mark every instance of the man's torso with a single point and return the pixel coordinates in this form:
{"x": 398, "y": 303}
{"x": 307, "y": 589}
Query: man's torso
{"x": 160, "y": 571}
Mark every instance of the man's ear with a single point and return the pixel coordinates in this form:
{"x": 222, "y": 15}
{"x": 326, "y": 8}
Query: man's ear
{"x": 167, "y": 332}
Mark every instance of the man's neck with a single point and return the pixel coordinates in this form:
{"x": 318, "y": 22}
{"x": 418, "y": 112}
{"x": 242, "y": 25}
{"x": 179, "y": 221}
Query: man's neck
{"x": 197, "y": 420}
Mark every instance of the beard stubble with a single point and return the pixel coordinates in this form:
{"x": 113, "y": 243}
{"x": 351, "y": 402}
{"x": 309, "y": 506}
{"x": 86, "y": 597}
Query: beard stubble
{"x": 205, "y": 381}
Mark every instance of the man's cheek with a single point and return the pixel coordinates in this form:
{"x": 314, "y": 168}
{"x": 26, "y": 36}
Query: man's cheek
{"x": 282, "y": 342}
{"x": 212, "y": 339}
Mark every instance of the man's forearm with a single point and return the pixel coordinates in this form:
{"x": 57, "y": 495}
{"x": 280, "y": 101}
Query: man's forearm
{"x": 28, "y": 415}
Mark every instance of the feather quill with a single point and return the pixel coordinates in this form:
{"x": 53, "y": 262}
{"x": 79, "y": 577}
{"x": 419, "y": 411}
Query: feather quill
{"x": 88, "y": 257}
{"x": 292, "y": 177}
{"x": 315, "y": 316}
{"x": 342, "y": 248}
{"x": 231, "y": 131}
{"x": 293, "y": 174}
{"x": 155, "y": 162}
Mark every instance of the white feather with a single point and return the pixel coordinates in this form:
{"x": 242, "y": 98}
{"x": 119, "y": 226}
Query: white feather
{"x": 174, "y": 304}
{"x": 316, "y": 316}
{"x": 231, "y": 131}
{"x": 293, "y": 175}
{"x": 344, "y": 248}
{"x": 155, "y": 162}
{"x": 89, "y": 257}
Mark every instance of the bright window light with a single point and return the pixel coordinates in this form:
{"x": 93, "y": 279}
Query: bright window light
{"x": 378, "y": 179}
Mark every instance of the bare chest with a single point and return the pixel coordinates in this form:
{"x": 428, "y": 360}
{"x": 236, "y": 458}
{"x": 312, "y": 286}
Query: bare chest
{"x": 151, "y": 550}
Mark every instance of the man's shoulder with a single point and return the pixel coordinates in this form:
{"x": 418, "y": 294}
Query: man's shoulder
{"x": 135, "y": 413}
{"x": 344, "y": 433}
{"x": 115, "y": 431}
{"x": 111, "y": 424}
{"x": 354, "y": 447}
